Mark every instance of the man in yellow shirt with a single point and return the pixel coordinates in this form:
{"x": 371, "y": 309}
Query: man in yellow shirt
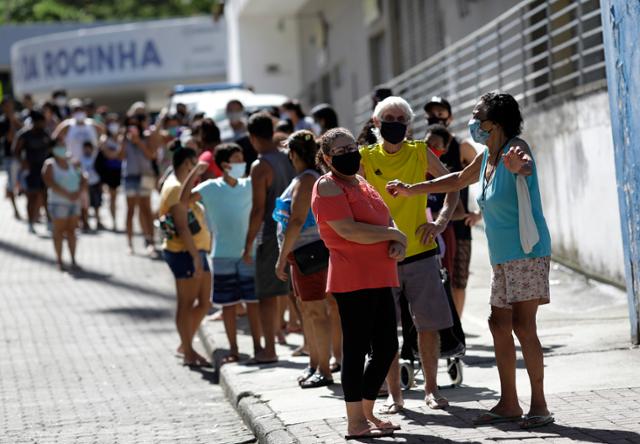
{"x": 420, "y": 283}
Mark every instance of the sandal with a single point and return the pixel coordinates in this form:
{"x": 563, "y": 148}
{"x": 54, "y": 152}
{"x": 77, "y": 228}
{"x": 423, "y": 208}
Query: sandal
{"x": 535, "y": 421}
{"x": 388, "y": 425}
{"x": 306, "y": 374}
{"x": 436, "y": 403}
{"x": 391, "y": 409}
{"x": 335, "y": 367}
{"x": 317, "y": 380}
{"x": 370, "y": 432}
{"x": 488, "y": 418}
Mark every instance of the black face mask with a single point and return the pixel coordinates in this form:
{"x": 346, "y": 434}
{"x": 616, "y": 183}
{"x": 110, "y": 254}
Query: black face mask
{"x": 347, "y": 164}
{"x": 433, "y": 120}
{"x": 393, "y": 132}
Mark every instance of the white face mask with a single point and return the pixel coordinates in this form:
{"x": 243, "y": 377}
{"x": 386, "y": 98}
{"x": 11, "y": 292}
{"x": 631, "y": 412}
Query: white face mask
{"x": 237, "y": 170}
{"x": 113, "y": 128}
{"x": 79, "y": 116}
{"x": 61, "y": 101}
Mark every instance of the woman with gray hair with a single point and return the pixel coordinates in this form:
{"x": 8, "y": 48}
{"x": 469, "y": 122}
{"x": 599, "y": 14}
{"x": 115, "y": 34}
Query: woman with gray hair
{"x": 396, "y": 158}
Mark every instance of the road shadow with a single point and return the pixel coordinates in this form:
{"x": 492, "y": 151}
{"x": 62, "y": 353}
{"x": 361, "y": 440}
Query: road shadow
{"x": 86, "y": 273}
{"x": 144, "y": 313}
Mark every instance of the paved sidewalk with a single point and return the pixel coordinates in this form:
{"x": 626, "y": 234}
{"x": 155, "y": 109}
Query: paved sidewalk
{"x": 592, "y": 377}
{"x": 88, "y": 358}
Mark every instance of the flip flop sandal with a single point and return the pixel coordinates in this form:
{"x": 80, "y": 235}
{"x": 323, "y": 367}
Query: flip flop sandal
{"x": 535, "y": 421}
{"x": 335, "y": 368}
{"x": 489, "y": 418}
{"x": 439, "y": 403}
{"x": 198, "y": 363}
{"x": 388, "y": 426}
{"x": 371, "y": 432}
{"x": 315, "y": 381}
{"x": 391, "y": 409}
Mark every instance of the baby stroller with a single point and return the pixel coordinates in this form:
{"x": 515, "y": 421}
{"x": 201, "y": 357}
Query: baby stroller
{"x": 452, "y": 343}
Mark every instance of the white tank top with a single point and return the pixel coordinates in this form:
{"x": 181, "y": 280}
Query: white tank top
{"x": 77, "y": 135}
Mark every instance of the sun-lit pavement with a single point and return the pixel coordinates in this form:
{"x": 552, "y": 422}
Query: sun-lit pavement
{"x": 89, "y": 357}
{"x": 592, "y": 376}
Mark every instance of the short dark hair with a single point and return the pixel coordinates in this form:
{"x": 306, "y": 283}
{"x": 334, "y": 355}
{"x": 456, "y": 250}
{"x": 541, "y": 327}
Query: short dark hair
{"x": 284, "y": 126}
{"x": 327, "y": 113}
{"x": 440, "y": 130}
{"x": 295, "y": 106}
{"x": 504, "y": 110}
{"x": 180, "y": 153}
{"x": 234, "y": 102}
{"x": 87, "y": 143}
{"x": 260, "y": 125}
{"x": 224, "y": 152}
{"x": 36, "y": 116}
{"x": 209, "y": 131}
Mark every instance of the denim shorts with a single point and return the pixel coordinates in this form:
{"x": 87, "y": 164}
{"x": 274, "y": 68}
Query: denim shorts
{"x": 139, "y": 185}
{"x": 233, "y": 282}
{"x": 181, "y": 263}
{"x": 63, "y": 210}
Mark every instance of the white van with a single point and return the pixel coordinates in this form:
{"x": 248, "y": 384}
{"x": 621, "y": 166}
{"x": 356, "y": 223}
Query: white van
{"x": 212, "y": 100}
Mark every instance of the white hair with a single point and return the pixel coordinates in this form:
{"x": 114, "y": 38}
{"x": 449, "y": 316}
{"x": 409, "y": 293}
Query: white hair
{"x": 388, "y": 103}
{"x": 393, "y": 102}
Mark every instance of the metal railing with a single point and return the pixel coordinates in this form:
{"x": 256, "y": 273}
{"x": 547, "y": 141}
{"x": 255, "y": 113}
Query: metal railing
{"x": 536, "y": 50}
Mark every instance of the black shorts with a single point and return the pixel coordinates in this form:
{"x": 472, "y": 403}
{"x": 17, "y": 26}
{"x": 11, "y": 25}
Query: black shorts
{"x": 95, "y": 195}
{"x": 112, "y": 177}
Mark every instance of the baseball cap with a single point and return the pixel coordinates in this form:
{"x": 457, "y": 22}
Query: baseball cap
{"x": 437, "y": 100}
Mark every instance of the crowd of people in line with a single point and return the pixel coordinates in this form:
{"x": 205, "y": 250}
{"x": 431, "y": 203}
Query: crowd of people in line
{"x": 294, "y": 213}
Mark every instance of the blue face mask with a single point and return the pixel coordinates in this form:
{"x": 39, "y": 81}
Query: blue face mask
{"x": 478, "y": 134}
{"x": 60, "y": 151}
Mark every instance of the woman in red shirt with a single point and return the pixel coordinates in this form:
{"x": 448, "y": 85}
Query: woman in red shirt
{"x": 364, "y": 245}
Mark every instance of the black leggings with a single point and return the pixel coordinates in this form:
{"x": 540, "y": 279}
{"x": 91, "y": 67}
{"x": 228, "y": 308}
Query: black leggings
{"x": 368, "y": 319}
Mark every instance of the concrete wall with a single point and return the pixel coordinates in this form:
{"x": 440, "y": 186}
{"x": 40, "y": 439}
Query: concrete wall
{"x": 573, "y": 147}
{"x": 345, "y": 61}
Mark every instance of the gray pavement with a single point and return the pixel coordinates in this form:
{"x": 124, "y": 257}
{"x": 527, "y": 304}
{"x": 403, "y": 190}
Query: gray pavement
{"x": 592, "y": 376}
{"x": 88, "y": 357}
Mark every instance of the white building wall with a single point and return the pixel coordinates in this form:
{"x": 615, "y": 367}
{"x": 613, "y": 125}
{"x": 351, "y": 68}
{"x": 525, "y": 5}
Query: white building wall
{"x": 574, "y": 150}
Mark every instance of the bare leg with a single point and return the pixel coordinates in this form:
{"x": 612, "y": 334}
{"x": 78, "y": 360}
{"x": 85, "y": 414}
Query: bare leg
{"x": 187, "y": 291}
{"x": 59, "y": 228}
{"x": 146, "y": 218}
{"x": 200, "y": 310}
{"x": 429, "y": 347}
{"x": 393, "y": 383}
{"x": 356, "y": 420}
{"x": 310, "y": 333}
{"x": 229, "y": 318}
{"x": 524, "y": 326}
{"x": 318, "y": 315}
{"x": 113, "y": 194}
{"x": 459, "y": 296}
{"x": 132, "y": 203}
{"x": 269, "y": 321}
{"x": 283, "y": 302}
{"x": 500, "y": 324}
{"x": 253, "y": 314}
{"x": 12, "y": 198}
{"x": 72, "y": 224}
{"x": 33, "y": 205}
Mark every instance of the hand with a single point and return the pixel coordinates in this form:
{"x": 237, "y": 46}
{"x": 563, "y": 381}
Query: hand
{"x": 201, "y": 168}
{"x": 246, "y": 256}
{"x": 471, "y": 219}
{"x": 134, "y": 134}
{"x": 197, "y": 266}
{"x": 399, "y": 237}
{"x": 429, "y": 231}
{"x": 397, "y": 251}
{"x": 397, "y": 188}
{"x": 515, "y": 159}
{"x": 281, "y": 272}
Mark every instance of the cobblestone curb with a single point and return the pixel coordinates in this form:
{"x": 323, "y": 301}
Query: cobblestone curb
{"x": 257, "y": 415}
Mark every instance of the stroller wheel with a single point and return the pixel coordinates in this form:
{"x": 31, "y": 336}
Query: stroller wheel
{"x": 406, "y": 375}
{"x": 454, "y": 369}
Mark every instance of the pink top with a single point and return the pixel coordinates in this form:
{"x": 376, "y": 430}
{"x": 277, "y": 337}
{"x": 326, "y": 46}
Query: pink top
{"x": 354, "y": 266}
